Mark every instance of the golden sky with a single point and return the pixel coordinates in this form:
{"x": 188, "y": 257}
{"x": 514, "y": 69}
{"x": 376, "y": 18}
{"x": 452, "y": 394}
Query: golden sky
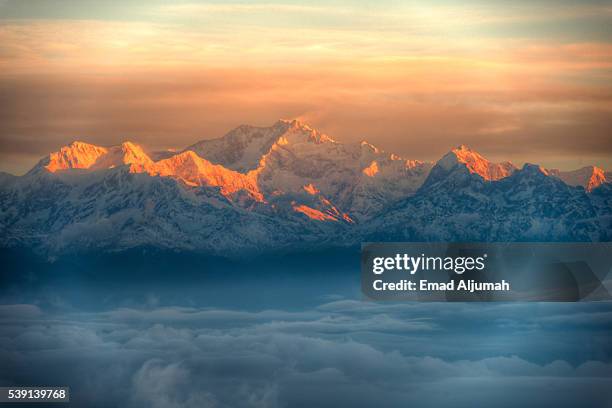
{"x": 524, "y": 81}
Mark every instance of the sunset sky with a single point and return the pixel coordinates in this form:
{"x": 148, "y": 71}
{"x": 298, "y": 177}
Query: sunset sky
{"x": 520, "y": 80}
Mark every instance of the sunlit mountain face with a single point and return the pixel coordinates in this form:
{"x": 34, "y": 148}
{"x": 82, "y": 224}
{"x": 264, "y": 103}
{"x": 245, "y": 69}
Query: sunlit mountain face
{"x": 289, "y": 186}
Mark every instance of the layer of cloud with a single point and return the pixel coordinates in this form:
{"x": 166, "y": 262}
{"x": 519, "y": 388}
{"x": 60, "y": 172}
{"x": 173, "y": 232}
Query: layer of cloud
{"x": 343, "y": 353}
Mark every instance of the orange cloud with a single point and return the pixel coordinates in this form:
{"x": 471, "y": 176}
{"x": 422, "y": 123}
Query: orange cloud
{"x": 414, "y": 92}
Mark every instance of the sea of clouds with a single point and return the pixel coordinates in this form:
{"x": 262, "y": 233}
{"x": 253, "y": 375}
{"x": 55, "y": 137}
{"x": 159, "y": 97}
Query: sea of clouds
{"x": 342, "y": 353}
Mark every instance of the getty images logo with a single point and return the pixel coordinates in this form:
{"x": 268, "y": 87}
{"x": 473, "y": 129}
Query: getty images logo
{"x": 413, "y": 264}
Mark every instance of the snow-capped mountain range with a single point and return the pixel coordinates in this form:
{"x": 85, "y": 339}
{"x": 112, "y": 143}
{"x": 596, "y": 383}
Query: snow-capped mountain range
{"x": 290, "y": 187}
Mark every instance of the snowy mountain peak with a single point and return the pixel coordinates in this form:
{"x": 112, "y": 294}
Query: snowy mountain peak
{"x": 77, "y": 155}
{"x": 300, "y": 132}
{"x": 81, "y": 155}
{"x": 193, "y": 170}
{"x": 589, "y": 177}
{"x": 476, "y": 163}
{"x": 243, "y": 148}
{"x": 126, "y": 153}
{"x": 133, "y": 149}
{"x": 534, "y": 169}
